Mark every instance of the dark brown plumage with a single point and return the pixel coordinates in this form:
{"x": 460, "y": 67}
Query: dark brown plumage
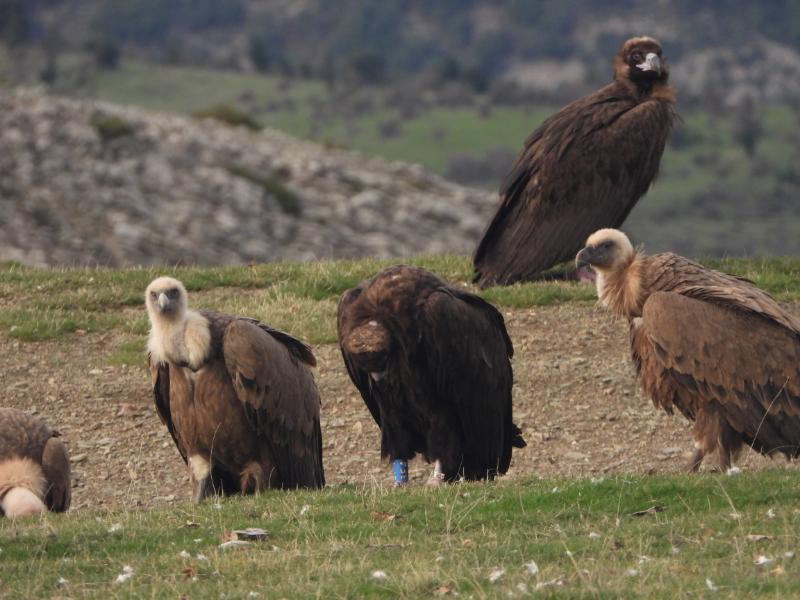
{"x": 237, "y": 396}
{"x": 32, "y": 458}
{"x": 583, "y": 169}
{"x": 432, "y": 363}
{"x": 713, "y": 346}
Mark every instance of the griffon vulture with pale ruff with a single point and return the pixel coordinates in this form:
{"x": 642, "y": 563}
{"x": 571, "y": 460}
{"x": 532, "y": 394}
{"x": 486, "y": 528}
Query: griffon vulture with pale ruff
{"x": 584, "y": 168}
{"x": 34, "y": 466}
{"x": 237, "y": 396}
{"x": 711, "y": 345}
{"x": 433, "y": 364}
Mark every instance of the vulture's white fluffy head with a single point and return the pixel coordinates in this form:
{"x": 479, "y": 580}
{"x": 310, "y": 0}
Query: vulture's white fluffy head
{"x": 606, "y": 250}
{"x": 166, "y": 299}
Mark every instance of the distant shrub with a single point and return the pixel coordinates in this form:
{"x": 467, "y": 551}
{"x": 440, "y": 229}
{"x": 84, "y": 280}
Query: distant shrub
{"x": 230, "y": 115}
{"x": 439, "y": 133}
{"x": 105, "y": 51}
{"x": 389, "y": 128}
{"x": 488, "y": 170}
{"x": 748, "y": 128}
{"x": 111, "y": 127}
{"x": 289, "y": 202}
{"x": 683, "y": 136}
{"x": 368, "y": 67}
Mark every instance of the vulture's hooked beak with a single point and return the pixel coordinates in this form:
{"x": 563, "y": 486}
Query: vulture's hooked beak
{"x": 163, "y": 302}
{"x": 584, "y": 257}
{"x": 651, "y": 63}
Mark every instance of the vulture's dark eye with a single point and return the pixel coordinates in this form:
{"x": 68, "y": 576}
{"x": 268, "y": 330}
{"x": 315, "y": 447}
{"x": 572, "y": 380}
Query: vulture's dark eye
{"x": 173, "y": 293}
{"x": 606, "y": 245}
{"x": 637, "y": 56}
{"x": 153, "y": 295}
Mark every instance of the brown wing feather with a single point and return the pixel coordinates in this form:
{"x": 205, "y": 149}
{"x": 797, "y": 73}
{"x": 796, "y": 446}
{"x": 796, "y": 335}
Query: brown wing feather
{"x": 56, "y": 467}
{"x": 673, "y": 273}
{"x": 161, "y": 395}
{"x": 692, "y": 352}
{"x": 281, "y": 398}
{"x": 583, "y": 169}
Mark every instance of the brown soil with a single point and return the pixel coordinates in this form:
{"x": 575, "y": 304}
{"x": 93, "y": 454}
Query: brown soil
{"x": 575, "y": 398}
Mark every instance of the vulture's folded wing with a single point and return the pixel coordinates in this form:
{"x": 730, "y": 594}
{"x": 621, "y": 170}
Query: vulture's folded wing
{"x": 56, "y": 468}
{"x": 468, "y": 358}
{"x": 297, "y": 347}
{"x": 583, "y": 169}
{"x": 280, "y": 397}
{"x": 675, "y": 273}
{"x": 711, "y": 353}
{"x": 159, "y": 374}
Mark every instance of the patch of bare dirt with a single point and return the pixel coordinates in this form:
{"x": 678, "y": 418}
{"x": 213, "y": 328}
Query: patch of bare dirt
{"x": 575, "y": 398}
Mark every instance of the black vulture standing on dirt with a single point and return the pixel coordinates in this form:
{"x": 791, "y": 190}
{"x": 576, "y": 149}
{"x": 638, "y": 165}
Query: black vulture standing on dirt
{"x": 237, "y": 396}
{"x": 433, "y": 364}
{"x": 583, "y": 169}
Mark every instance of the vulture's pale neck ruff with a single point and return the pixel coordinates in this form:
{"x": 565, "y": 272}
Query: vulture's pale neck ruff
{"x": 619, "y": 287}
{"x": 22, "y": 487}
{"x": 184, "y": 339}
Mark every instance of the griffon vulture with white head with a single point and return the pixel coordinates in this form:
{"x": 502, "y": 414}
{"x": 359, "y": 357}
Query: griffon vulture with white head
{"x": 34, "y": 466}
{"x": 713, "y": 346}
{"x": 237, "y": 396}
{"x": 584, "y": 168}
{"x": 433, "y": 364}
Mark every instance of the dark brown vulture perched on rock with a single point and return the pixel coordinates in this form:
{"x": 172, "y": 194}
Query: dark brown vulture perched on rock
{"x": 237, "y": 396}
{"x": 584, "y": 168}
{"x": 711, "y": 345}
{"x": 432, "y": 363}
{"x": 34, "y": 466}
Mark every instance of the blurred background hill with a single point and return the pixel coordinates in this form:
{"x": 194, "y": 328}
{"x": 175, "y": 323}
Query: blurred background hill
{"x": 454, "y": 85}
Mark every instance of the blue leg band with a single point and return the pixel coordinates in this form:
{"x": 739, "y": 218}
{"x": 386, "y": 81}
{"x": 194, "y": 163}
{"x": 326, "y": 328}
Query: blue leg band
{"x": 400, "y": 471}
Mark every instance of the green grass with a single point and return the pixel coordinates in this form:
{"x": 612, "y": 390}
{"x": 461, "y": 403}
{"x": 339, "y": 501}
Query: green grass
{"x": 110, "y": 127}
{"x": 190, "y": 90}
{"x": 581, "y": 534}
{"x": 230, "y": 115}
{"x": 40, "y": 304}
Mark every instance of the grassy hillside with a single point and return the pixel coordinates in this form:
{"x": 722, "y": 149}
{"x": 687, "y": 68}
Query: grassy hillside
{"x": 698, "y": 536}
{"x": 40, "y": 304}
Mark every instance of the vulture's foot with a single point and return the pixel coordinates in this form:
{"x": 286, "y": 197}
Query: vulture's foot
{"x": 435, "y": 480}
{"x": 437, "y": 477}
{"x": 725, "y": 460}
{"x": 201, "y": 475}
{"x": 204, "y": 488}
{"x": 697, "y": 458}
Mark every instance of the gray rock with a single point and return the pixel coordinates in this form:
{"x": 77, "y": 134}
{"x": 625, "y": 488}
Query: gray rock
{"x": 178, "y": 190}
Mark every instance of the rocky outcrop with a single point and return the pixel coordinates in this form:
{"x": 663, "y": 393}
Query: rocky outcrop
{"x": 94, "y": 183}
